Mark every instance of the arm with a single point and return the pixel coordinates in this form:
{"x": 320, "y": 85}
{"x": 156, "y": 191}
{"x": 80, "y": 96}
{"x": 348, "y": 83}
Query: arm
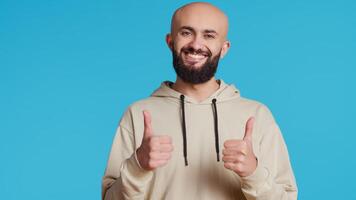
{"x": 273, "y": 177}
{"x": 130, "y": 169}
{"x": 124, "y": 178}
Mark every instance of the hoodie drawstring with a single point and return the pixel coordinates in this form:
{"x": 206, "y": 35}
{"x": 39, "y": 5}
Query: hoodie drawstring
{"x": 184, "y": 131}
{"x": 216, "y": 130}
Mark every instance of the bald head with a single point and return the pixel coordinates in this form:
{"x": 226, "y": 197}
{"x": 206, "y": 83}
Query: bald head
{"x": 201, "y": 15}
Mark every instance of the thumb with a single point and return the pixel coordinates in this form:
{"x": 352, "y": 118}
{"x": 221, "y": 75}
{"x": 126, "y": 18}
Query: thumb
{"x": 148, "y": 132}
{"x": 248, "y": 129}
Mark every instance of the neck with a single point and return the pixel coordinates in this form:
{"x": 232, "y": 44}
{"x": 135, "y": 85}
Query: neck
{"x": 199, "y": 92}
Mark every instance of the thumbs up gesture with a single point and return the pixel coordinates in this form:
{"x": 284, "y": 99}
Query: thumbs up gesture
{"x": 238, "y": 155}
{"x": 155, "y": 151}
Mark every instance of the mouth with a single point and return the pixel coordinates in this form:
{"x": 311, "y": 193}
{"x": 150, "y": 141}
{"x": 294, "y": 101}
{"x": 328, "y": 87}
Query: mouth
{"x": 194, "y": 59}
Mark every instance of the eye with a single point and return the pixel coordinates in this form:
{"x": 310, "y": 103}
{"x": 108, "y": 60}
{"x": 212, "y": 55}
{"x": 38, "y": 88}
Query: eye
{"x": 209, "y": 36}
{"x": 185, "y": 33}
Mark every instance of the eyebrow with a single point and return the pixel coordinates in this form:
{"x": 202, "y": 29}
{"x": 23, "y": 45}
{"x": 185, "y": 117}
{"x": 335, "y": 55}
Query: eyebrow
{"x": 210, "y": 31}
{"x": 188, "y": 28}
{"x": 205, "y": 31}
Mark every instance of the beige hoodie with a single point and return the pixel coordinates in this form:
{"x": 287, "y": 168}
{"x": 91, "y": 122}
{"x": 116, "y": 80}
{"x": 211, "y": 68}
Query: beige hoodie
{"x": 204, "y": 177}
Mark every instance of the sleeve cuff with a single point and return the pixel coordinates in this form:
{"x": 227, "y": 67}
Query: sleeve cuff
{"x": 256, "y": 180}
{"x": 133, "y": 169}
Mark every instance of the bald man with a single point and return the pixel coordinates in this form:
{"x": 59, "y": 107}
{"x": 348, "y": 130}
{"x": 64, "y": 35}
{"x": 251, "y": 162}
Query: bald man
{"x": 197, "y": 138}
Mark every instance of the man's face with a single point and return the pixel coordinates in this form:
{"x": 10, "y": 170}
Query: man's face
{"x": 197, "y": 41}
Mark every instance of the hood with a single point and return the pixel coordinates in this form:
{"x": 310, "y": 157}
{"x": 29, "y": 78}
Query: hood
{"x": 225, "y": 92}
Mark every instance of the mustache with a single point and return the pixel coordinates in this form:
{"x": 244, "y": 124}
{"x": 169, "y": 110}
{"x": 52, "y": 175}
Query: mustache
{"x": 196, "y": 51}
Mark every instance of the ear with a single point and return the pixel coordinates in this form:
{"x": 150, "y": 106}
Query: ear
{"x": 169, "y": 41}
{"x": 225, "y": 48}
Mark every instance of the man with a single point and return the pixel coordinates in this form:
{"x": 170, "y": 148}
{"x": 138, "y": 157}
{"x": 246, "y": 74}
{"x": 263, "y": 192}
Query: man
{"x": 197, "y": 138}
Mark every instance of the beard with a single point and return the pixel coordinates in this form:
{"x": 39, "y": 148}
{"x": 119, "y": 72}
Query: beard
{"x": 191, "y": 74}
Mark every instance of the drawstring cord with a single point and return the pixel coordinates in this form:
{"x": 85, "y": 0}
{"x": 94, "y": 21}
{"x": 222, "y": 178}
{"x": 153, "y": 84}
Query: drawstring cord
{"x": 184, "y": 131}
{"x": 216, "y": 130}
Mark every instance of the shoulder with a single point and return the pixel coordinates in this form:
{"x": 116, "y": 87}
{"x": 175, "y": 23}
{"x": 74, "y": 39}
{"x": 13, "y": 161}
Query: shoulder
{"x": 134, "y": 111}
{"x": 255, "y": 108}
{"x": 251, "y": 105}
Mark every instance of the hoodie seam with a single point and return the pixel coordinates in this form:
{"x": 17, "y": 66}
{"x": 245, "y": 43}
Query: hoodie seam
{"x": 122, "y": 126}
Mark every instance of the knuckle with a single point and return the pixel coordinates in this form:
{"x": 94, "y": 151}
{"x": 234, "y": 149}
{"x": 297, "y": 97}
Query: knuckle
{"x": 150, "y": 142}
{"x": 224, "y": 159}
{"x": 239, "y": 167}
{"x": 226, "y": 151}
{"x": 154, "y": 139}
{"x": 154, "y": 148}
{"x": 227, "y": 143}
{"x": 228, "y": 165}
{"x": 153, "y": 145}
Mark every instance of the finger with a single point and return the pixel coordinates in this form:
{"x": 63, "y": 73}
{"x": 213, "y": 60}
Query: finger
{"x": 166, "y": 148}
{"x": 165, "y": 156}
{"x": 233, "y": 152}
{"x": 236, "y": 167}
{"x": 148, "y": 132}
{"x": 153, "y": 144}
{"x": 229, "y": 152}
{"x": 229, "y": 165}
{"x": 238, "y": 150}
{"x": 231, "y": 159}
{"x": 157, "y": 163}
{"x": 248, "y": 129}
{"x": 159, "y": 156}
{"x": 165, "y": 139}
{"x": 232, "y": 143}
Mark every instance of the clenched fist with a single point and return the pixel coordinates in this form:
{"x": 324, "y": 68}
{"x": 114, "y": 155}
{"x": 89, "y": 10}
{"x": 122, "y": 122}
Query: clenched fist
{"x": 155, "y": 151}
{"x": 238, "y": 155}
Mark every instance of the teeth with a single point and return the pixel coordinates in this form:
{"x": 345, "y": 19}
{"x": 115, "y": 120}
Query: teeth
{"x": 195, "y": 56}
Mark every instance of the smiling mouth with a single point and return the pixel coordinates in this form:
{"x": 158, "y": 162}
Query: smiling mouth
{"x": 193, "y": 58}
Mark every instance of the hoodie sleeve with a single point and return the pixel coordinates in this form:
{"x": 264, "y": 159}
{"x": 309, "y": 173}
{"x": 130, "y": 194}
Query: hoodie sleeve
{"x": 124, "y": 178}
{"x": 273, "y": 177}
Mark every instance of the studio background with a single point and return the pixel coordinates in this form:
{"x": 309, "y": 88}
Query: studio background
{"x": 69, "y": 69}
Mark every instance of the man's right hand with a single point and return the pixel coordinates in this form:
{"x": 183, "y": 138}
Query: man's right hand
{"x": 155, "y": 151}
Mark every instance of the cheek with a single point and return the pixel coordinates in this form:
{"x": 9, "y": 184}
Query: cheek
{"x": 178, "y": 47}
{"x": 179, "y": 43}
{"x": 215, "y": 48}
{"x": 215, "y": 51}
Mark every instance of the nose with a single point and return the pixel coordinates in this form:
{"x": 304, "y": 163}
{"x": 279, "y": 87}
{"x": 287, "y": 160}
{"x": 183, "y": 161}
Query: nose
{"x": 197, "y": 43}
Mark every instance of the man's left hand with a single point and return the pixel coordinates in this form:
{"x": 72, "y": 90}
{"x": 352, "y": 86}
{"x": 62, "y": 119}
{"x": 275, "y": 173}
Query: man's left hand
{"x": 238, "y": 155}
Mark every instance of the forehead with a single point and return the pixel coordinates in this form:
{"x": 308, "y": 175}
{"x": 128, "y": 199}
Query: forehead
{"x": 200, "y": 19}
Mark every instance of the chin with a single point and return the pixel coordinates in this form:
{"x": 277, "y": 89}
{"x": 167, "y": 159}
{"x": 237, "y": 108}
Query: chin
{"x": 194, "y": 66}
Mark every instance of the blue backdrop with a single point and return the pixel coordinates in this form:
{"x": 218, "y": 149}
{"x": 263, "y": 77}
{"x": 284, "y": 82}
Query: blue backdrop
{"x": 69, "y": 69}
